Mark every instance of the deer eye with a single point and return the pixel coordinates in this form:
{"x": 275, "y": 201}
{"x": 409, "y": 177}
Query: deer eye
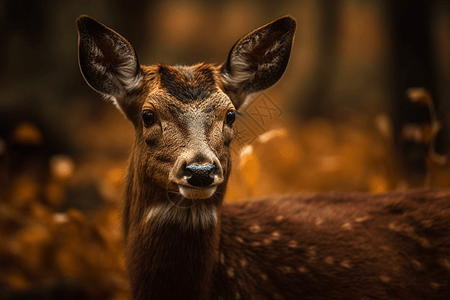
{"x": 231, "y": 117}
{"x": 148, "y": 117}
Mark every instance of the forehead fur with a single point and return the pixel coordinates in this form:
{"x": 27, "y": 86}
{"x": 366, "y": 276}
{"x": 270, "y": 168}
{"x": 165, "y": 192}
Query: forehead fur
{"x": 188, "y": 83}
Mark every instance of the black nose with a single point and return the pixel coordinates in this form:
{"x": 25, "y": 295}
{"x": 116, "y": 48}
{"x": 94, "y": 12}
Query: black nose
{"x": 200, "y": 175}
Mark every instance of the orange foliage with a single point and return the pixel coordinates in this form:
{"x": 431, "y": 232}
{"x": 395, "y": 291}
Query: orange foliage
{"x": 41, "y": 241}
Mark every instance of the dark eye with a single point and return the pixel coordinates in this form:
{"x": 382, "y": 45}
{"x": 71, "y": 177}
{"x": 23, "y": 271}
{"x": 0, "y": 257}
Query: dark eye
{"x": 148, "y": 117}
{"x": 231, "y": 117}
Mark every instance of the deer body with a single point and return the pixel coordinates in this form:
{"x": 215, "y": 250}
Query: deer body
{"x": 182, "y": 243}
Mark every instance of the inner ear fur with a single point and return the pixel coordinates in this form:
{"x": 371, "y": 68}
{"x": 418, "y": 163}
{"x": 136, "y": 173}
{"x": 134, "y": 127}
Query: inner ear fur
{"x": 107, "y": 61}
{"x": 259, "y": 59}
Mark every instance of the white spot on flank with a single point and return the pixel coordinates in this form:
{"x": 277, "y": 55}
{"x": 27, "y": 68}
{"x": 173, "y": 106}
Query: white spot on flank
{"x": 267, "y": 241}
{"x": 435, "y": 285}
{"x": 243, "y": 263}
{"x": 230, "y": 272}
{"x": 385, "y": 279}
{"x": 255, "y": 244}
{"x": 255, "y": 228}
{"x": 347, "y": 226}
{"x": 302, "y": 269}
{"x": 222, "y": 258}
{"x": 279, "y": 218}
{"x": 417, "y": 265}
{"x": 446, "y": 264}
{"x": 392, "y": 226}
{"x": 264, "y": 276}
{"x": 319, "y": 221}
{"x": 292, "y": 244}
{"x": 424, "y": 242}
{"x": 275, "y": 235}
{"x": 329, "y": 260}
{"x": 239, "y": 239}
{"x": 346, "y": 264}
{"x": 362, "y": 219}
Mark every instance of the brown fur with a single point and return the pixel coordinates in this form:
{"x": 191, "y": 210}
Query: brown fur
{"x": 322, "y": 246}
{"x": 337, "y": 246}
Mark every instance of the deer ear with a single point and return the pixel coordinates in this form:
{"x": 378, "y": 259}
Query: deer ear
{"x": 258, "y": 60}
{"x": 107, "y": 61}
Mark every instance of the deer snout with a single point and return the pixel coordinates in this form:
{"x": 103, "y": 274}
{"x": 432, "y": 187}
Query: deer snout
{"x": 200, "y": 175}
{"x": 197, "y": 177}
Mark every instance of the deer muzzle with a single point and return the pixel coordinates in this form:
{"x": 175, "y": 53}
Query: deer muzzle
{"x": 197, "y": 176}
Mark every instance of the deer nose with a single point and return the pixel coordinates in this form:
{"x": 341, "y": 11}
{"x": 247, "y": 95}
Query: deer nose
{"x": 200, "y": 175}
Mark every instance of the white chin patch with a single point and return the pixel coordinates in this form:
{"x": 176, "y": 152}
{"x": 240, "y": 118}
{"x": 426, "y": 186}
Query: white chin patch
{"x": 197, "y": 193}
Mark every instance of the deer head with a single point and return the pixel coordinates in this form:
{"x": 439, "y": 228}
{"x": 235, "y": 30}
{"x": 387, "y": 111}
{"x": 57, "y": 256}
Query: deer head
{"x": 183, "y": 115}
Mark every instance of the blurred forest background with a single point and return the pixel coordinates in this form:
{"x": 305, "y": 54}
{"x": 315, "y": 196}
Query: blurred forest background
{"x": 364, "y": 106}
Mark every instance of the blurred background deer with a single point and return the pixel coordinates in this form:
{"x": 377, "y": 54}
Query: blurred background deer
{"x": 336, "y": 122}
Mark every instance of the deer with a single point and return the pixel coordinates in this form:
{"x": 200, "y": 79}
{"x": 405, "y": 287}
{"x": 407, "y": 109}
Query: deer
{"x": 181, "y": 241}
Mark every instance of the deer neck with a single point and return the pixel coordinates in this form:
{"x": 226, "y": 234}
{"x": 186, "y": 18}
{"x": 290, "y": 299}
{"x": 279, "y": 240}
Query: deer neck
{"x": 172, "y": 250}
